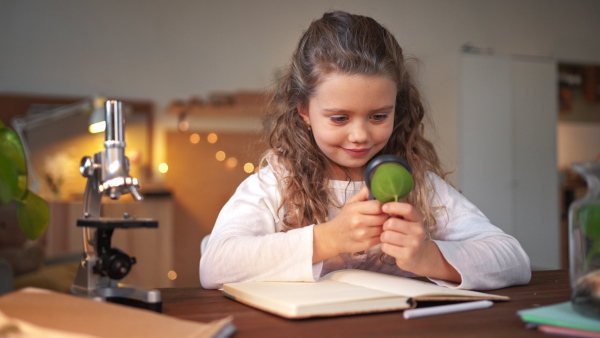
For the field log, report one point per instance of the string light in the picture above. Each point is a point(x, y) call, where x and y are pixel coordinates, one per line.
point(248, 167)
point(184, 125)
point(212, 138)
point(172, 275)
point(220, 155)
point(231, 162)
point(194, 138)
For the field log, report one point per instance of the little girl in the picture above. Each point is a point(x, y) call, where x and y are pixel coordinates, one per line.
point(347, 97)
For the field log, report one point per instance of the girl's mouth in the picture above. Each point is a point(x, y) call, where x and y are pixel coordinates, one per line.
point(357, 152)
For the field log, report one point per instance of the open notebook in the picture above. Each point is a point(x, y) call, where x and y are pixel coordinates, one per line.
point(345, 292)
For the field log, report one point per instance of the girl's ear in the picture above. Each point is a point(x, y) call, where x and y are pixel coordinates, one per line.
point(303, 111)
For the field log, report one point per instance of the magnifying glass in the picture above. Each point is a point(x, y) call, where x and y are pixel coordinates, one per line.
point(389, 178)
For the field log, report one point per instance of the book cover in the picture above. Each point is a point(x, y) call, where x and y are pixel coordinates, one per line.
point(561, 314)
point(43, 313)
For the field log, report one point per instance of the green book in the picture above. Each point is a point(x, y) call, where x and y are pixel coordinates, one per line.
point(561, 314)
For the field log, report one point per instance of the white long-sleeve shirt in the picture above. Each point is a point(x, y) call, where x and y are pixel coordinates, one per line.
point(247, 242)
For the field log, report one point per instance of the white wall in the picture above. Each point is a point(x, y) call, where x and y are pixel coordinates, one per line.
point(163, 50)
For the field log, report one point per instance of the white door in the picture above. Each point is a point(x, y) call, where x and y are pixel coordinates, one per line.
point(507, 148)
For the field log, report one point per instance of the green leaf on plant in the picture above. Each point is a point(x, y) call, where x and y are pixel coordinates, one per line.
point(391, 182)
point(21, 187)
point(8, 180)
point(33, 214)
point(10, 145)
point(593, 252)
point(589, 216)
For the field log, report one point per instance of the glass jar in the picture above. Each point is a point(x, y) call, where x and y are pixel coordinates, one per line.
point(584, 243)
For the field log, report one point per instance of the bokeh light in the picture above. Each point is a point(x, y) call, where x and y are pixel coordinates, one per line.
point(184, 125)
point(212, 138)
point(231, 162)
point(220, 155)
point(248, 167)
point(194, 138)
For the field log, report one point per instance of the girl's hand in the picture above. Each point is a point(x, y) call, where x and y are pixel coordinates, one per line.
point(357, 227)
point(403, 238)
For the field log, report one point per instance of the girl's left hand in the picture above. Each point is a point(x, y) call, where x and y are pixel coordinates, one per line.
point(403, 238)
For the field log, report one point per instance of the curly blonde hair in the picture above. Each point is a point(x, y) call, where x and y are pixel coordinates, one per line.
point(346, 44)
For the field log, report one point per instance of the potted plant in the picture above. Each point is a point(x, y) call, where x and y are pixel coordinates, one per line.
point(33, 213)
point(19, 208)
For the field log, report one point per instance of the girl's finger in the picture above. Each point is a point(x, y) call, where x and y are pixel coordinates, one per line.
point(402, 210)
point(361, 195)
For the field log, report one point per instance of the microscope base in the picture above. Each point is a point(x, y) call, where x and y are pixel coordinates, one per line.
point(148, 299)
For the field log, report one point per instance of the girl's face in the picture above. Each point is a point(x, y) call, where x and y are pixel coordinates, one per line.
point(352, 118)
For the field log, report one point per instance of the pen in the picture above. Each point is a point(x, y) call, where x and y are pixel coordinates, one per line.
point(442, 309)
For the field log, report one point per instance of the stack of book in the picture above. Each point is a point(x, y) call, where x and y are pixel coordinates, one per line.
point(560, 319)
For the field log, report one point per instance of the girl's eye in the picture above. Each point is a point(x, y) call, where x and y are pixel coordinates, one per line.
point(339, 119)
point(379, 117)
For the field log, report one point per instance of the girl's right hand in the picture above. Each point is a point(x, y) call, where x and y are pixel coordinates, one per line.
point(357, 227)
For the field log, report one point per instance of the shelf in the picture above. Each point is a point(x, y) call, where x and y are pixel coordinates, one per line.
point(241, 103)
point(233, 110)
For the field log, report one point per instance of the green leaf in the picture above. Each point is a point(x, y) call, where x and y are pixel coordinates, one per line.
point(594, 251)
point(391, 182)
point(11, 146)
point(21, 186)
point(590, 220)
point(9, 186)
point(33, 214)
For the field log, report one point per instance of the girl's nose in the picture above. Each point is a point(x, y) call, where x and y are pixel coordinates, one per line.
point(359, 133)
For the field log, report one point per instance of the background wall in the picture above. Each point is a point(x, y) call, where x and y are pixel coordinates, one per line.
point(162, 50)
point(167, 50)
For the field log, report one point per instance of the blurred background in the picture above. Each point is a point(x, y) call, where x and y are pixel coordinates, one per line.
point(512, 87)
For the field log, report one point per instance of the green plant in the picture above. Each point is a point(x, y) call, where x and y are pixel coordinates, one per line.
point(33, 212)
point(589, 216)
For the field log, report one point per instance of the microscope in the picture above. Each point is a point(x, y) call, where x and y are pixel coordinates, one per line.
point(102, 266)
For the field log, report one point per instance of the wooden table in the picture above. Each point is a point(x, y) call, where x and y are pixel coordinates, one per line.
point(501, 320)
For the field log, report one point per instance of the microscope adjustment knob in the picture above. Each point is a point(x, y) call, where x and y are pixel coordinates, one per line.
point(86, 167)
point(117, 264)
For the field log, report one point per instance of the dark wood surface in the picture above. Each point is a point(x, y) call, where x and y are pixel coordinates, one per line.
point(501, 320)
